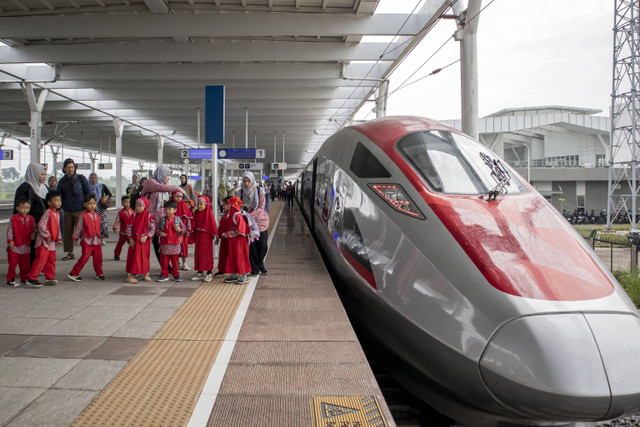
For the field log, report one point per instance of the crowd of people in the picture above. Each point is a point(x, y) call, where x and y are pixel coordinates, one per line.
point(171, 218)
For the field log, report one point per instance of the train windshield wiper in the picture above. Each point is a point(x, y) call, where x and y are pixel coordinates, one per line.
point(499, 174)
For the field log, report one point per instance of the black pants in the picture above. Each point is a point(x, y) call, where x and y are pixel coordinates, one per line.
point(156, 246)
point(257, 252)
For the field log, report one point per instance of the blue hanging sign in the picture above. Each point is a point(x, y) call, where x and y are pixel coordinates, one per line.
point(200, 154)
point(214, 115)
point(236, 153)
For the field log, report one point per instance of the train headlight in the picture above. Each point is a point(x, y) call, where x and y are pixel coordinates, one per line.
point(395, 196)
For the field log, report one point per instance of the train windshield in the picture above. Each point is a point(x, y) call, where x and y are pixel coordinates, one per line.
point(455, 164)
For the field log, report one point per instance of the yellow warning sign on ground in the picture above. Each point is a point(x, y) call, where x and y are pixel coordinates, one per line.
point(347, 411)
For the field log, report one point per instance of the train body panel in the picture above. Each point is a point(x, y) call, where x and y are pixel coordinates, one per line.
point(447, 282)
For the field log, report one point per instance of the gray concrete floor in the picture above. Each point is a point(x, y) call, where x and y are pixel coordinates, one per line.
point(61, 345)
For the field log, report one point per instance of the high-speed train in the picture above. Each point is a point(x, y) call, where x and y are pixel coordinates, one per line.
point(499, 309)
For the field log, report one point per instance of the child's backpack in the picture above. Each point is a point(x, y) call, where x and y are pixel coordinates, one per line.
point(254, 231)
point(176, 221)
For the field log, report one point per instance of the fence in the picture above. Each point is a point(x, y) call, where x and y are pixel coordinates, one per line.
point(614, 250)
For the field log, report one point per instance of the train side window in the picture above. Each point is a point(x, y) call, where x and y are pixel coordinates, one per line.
point(365, 165)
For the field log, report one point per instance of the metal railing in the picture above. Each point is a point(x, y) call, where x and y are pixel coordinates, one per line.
point(616, 251)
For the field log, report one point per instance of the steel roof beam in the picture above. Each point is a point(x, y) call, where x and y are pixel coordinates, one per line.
point(210, 25)
point(113, 53)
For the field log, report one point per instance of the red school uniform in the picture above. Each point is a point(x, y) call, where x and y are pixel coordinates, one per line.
point(89, 227)
point(170, 245)
point(184, 213)
point(234, 248)
point(48, 228)
point(138, 255)
point(19, 232)
point(205, 231)
point(124, 219)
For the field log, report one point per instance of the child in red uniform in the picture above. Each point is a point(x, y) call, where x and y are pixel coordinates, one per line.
point(20, 233)
point(205, 232)
point(140, 233)
point(169, 230)
point(234, 231)
point(48, 237)
point(184, 213)
point(89, 227)
point(124, 219)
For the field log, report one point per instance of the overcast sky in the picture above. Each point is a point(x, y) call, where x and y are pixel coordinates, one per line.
point(530, 53)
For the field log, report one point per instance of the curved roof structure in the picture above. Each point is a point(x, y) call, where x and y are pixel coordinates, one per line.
point(298, 67)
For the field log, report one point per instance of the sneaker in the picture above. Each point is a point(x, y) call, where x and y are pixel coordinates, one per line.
point(263, 270)
point(197, 277)
point(162, 279)
point(50, 282)
point(74, 278)
point(100, 277)
point(185, 267)
point(208, 278)
point(116, 258)
point(243, 280)
point(29, 283)
point(177, 279)
point(146, 278)
point(231, 279)
point(218, 274)
point(13, 284)
point(131, 280)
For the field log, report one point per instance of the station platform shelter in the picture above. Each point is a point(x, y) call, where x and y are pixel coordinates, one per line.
point(279, 351)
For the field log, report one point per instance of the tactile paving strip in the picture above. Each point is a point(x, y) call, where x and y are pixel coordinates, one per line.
point(161, 384)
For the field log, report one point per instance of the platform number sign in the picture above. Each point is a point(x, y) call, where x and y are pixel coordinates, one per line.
point(184, 153)
point(6, 154)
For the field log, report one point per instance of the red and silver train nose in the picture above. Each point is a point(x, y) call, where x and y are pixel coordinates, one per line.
point(570, 366)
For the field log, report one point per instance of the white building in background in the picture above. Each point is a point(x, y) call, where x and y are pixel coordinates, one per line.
point(567, 147)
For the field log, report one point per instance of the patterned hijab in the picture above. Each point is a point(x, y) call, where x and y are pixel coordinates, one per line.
point(204, 219)
point(235, 203)
point(141, 220)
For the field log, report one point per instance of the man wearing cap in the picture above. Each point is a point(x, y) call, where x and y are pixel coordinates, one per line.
point(72, 188)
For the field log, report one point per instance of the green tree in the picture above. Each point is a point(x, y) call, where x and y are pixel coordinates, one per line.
point(10, 174)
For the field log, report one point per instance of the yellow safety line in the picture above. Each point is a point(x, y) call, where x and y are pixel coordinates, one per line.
point(162, 383)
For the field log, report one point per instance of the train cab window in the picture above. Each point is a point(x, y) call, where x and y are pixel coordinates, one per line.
point(453, 163)
point(365, 165)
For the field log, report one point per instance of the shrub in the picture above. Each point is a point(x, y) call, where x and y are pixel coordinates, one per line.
point(631, 284)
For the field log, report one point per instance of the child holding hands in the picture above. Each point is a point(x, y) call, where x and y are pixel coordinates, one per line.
point(140, 233)
point(48, 237)
point(124, 219)
point(205, 232)
point(169, 230)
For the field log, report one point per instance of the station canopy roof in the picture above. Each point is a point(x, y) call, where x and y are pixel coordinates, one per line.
point(302, 67)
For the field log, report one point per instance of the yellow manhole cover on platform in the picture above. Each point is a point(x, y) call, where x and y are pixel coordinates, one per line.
point(347, 411)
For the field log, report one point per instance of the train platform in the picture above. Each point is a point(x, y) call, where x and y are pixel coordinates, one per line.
point(279, 351)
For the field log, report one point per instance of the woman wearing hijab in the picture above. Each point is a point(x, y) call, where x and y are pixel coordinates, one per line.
point(158, 191)
point(253, 199)
point(34, 189)
point(188, 191)
point(103, 195)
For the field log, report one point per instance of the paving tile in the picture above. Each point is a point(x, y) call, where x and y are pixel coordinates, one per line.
point(91, 375)
point(125, 301)
point(138, 290)
point(9, 342)
point(33, 372)
point(107, 313)
point(173, 302)
point(54, 408)
point(82, 299)
point(85, 327)
point(117, 349)
point(178, 292)
point(46, 310)
point(139, 329)
point(57, 347)
point(156, 314)
point(23, 326)
point(15, 399)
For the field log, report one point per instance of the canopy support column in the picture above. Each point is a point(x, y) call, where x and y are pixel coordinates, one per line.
point(36, 107)
point(160, 141)
point(118, 126)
